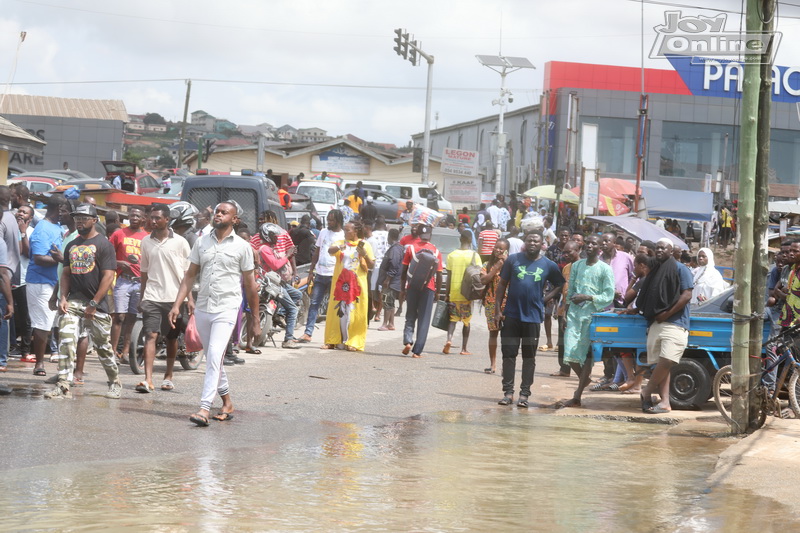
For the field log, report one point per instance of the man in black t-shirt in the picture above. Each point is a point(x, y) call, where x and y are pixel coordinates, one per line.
point(304, 239)
point(89, 265)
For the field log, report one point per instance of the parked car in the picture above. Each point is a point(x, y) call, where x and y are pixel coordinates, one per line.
point(388, 206)
point(326, 195)
point(144, 182)
point(85, 185)
point(39, 182)
point(71, 174)
point(250, 192)
point(403, 191)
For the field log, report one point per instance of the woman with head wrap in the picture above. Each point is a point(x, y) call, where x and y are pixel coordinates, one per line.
point(708, 281)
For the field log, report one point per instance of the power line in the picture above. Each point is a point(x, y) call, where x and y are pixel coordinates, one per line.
point(279, 83)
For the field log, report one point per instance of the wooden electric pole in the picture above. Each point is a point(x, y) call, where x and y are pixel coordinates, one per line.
point(743, 259)
point(183, 124)
point(752, 218)
point(761, 210)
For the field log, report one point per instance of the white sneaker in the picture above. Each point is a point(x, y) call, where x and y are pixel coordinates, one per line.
point(59, 393)
point(114, 390)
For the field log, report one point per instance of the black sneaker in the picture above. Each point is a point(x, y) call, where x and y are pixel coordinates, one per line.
point(523, 402)
point(227, 361)
point(507, 400)
point(235, 358)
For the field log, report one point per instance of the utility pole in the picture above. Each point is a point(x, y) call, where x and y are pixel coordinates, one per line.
point(761, 209)
point(743, 262)
point(183, 124)
point(411, 49)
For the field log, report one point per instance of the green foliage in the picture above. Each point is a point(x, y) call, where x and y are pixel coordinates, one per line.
point(153, 118)
point(134, 157)
point(166, 161)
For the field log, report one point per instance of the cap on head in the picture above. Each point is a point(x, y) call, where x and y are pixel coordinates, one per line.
point(85, 209)
point(664, 240)
point(424, 232)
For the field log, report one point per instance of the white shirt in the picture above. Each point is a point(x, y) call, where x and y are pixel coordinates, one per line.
point(515, 245)
point(380, 243)
point(221, 266)
point(327, 262)
point(494, 214)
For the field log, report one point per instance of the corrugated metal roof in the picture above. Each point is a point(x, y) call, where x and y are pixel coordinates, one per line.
point(49, 106)
point(13, 138)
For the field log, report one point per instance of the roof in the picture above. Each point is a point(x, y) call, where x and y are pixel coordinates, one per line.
point(15, 139)
point(49, 106)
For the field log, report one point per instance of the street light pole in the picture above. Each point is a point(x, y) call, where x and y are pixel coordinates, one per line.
point(503, 65)
point(426, 138)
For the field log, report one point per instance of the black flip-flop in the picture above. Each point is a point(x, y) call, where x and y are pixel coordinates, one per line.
point(488, 370)
point(255, 351)
point(223, 417)
point(39, 372)
point(200, 420)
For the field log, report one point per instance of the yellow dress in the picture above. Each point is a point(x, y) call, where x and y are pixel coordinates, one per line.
point(346, 323)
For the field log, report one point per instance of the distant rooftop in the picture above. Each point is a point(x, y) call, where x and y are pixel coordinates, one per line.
point(50, 106)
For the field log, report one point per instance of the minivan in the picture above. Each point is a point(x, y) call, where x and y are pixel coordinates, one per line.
point(416, 192)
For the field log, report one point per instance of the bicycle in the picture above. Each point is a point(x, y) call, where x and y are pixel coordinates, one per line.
point(782, 344)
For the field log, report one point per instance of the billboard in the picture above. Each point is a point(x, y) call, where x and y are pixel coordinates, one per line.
point(457, 162)
point(462, 190)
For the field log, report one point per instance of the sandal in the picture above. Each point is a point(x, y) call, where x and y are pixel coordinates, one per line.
point(167, 385)
point(30, 358)
point(488, 371)
point(326, 347)
point(253, 351)
point(198, 419)
point(446, 349)
point(39, 372)
point(223, 416)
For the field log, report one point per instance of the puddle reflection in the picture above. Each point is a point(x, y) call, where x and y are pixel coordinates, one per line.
point(480, 471)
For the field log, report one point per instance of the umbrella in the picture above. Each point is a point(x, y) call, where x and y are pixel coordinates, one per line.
point(612, 206)
point(618, 186)
point(549, 192)
point(609, 204)
point(641, 229)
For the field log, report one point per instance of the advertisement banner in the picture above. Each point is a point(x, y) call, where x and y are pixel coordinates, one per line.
point(462, 190)
point(460, 162)
point(341, 160)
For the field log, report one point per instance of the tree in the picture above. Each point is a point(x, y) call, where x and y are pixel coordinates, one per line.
point(166, 161)
point(134, 157)
point(153, 118)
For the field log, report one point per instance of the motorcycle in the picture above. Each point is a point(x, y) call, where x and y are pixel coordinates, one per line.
point(188, 360)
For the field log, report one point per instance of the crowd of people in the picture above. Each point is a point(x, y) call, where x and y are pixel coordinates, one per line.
point(80, 283)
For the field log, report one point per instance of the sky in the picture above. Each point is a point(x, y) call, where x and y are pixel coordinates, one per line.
point(327, 64)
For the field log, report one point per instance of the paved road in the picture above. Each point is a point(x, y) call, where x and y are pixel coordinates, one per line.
point(278, 395)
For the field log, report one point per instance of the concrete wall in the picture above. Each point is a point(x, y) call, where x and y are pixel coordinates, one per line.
point(82, 143)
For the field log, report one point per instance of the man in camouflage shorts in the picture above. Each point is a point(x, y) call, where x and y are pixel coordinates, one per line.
point(89, 265)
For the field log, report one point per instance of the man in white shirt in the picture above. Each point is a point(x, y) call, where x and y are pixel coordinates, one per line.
point(494, 213)
point(515, 244)
point(321, 272)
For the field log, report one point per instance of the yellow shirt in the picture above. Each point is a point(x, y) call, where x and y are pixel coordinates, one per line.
point(355, 202)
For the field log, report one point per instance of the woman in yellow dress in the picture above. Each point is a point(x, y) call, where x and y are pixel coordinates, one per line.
point(348, 304)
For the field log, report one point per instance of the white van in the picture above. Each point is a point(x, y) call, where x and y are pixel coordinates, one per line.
point(325, 195)
point(416, 192)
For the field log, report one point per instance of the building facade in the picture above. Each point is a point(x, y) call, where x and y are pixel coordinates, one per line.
point(78, 132)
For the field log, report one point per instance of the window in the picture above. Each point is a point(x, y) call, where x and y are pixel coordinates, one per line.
point(399, 192)
point(616, 144)
point(318, 194)
point(694, 150)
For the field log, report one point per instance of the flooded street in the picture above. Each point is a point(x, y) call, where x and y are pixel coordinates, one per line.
point(485, 470)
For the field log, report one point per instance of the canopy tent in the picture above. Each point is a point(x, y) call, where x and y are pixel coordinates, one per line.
point(641, 229)
point(549, 192)
point(792, 208)
point(683, 205)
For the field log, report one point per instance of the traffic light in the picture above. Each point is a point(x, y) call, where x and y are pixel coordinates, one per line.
point(416, 163)
point(398, 41)
point(208, 149)
point(559, 183)
point(412, 53)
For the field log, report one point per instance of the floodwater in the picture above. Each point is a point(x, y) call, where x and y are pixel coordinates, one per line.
point(492, 470)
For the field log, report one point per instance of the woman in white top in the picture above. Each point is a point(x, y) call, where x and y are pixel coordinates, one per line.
point(708, 281)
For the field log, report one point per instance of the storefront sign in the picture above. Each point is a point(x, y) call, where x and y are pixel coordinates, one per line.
point(341, 160)
point(462, 190)
point(458, 162)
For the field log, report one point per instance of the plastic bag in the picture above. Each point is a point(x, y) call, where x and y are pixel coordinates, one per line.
point(191, 337)
point(425, 215)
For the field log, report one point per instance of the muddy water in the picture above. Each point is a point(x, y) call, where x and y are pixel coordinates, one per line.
point(495, 470)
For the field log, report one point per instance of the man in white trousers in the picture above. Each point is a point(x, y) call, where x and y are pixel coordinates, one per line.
point(223, 260)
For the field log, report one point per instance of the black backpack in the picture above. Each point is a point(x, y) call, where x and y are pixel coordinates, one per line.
point(421, 268)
